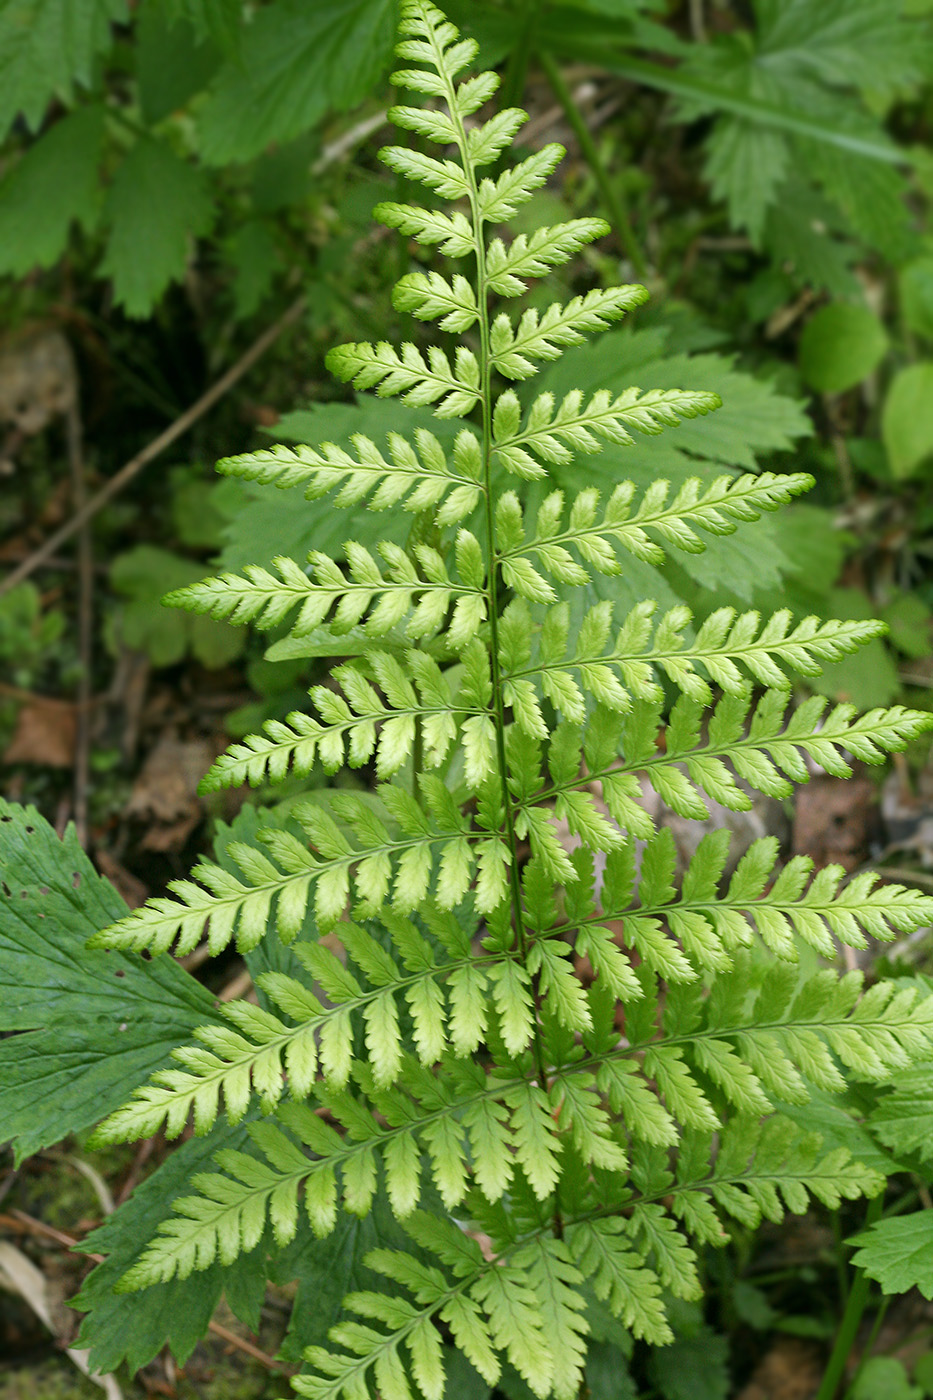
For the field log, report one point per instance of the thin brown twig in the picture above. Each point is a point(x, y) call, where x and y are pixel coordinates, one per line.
point(143, 1153)
point(85, 559)
point(158, 445)
point(28, 1224)
point(240, 1342)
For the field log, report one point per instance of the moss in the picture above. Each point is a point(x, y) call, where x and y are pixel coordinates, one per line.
point(210, 1374)
point(49, 1380)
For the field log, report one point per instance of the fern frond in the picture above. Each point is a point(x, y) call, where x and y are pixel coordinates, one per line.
point(534, 254)
point(543, 336)
point(793, 904)
point(555, 434)
point(764, 750)
point(384, 868)
point(447, 1036)
point(453, 233)
point(357, 726)
point(603, 1252)
point(452, 391)
point(567, 668)
point(415, 477)
point(525, 1307)
point(430, 297)
point(718, 509)
point(259, 1054)
point(365, 591)
point(763, 1171)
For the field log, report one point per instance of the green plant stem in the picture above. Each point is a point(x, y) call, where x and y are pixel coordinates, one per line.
point(482, 300)
point(870, 1344)
point(856, 1304)
point(615, 208)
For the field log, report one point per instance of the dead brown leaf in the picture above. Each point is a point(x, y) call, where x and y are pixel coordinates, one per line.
point(165, 795)
point(836, 821)
point(45, 733)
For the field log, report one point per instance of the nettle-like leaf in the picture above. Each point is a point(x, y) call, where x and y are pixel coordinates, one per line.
point(424, 1040)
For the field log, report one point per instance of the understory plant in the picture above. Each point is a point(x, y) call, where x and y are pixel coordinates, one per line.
point(488, 1001)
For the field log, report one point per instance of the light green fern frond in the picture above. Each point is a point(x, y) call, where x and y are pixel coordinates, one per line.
point(493, 889)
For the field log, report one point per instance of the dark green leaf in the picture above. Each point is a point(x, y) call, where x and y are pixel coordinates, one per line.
point(172, 63)
point(54, 184)
point(143, 575)
point(156, 205)
point(255, 260)
point(304, 60)
point(46, 46)
point(903, 1119)
point(898, 1253)
point(74, 1008)
point(916, 290)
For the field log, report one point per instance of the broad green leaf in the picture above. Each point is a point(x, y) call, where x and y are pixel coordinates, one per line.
point(898, 1253)
point(693, 1367)
point(903, 1119)
point(806, 236)
point(53, 185)
point(909, 619)
point(907, 420)
point(745, 165)
point(156, 205)
point(173, 62)
point(219, 20)
point(46, 46)
point(705, 95)
point(884, 1375)
point(840, 346)
point(75, 1007)
point(303, 61)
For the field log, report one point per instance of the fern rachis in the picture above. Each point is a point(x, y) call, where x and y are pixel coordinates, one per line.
point(451, 1047)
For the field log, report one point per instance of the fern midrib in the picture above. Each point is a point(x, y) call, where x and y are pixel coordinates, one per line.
point(665, 760)
point(709, 907)
point(492, 593)
point(672, 655)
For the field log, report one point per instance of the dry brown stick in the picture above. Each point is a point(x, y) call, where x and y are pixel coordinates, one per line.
point(220, 1330)
point(29, 1224)
point(82, 765)
point(174, 431)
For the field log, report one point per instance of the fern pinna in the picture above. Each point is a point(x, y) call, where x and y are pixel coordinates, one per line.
point(555, 1173)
